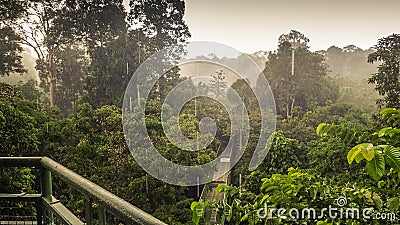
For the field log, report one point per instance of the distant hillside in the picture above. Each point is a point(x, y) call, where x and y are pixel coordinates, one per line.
point(349, 62)
point(259, 58)
point(347, 65)
point(194, 69)
point(350, 68)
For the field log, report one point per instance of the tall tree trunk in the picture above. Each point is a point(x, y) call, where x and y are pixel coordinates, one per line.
point(292, 106)
point(52, 78)
point(289, 107)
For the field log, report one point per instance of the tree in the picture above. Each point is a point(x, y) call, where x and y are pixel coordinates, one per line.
point(217, 85)
point(111, 68)
point(101, 59)
point(61, 33)
point(387, 79)
point(10, 60)
point(35, 27)
point(307, 85)
point(162, 19)
point(295, 38)
point(72, 69)
point(10, 10)
point(151, 26)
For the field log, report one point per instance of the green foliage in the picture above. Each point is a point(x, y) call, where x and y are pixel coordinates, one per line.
point(18, 128)
point(87, 56)
point(387, 79)
point(392, 116)
point(302, 126)
point(10, 59)
point(283, 154)
point(111, 68)
point(327, 158)
point(162, 19)
point(296, 189)
point(71, 67)
point(178, 213)
point(16, 180)
point(381, 149)
point(20, 136)
point(201, 209)
point(357, 93)
point(376, 166)
point(345, 133)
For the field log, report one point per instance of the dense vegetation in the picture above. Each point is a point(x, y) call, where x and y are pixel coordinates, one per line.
point(86, 55)
point(325, 153)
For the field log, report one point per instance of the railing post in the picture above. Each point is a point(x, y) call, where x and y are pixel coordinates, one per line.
point(102, 215)
point(39, 211)
point(47, 188)
point(88, 210)
point(47, 191)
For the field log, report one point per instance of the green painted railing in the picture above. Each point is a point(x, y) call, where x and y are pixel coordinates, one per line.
point(48, 207)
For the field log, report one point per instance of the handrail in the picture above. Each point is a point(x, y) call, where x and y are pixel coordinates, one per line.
point(109, 201)
point(20, 161)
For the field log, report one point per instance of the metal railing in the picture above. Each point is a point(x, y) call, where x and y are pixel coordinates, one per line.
point(48, 207)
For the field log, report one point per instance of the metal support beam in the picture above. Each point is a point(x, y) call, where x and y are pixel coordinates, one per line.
point(46, 183)
point(47, 190)
point(102, 216)
point(88, 210)
point(20, 161)
point(55, 207)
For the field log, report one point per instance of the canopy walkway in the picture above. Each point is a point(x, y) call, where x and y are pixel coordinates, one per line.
point(221, 176)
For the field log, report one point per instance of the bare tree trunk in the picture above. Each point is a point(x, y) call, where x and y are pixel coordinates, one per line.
point(292, 61)
point(289, 107)
point(52, 78)
point(287, 111)
point(292, 106)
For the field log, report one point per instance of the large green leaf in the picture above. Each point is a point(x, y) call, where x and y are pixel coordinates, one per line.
point(391, 115)
point(392, 156)
point(359, 158)
point(376, 167)
point(197, 210)
point(368, 152)
point(387, 112)
point(355, 152)
point(396, 120)
point(321, 129)
point(384, 131)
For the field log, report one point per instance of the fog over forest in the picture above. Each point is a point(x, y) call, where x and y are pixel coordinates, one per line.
point(199, 112)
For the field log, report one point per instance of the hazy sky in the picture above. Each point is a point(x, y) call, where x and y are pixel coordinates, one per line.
point(253, 25)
